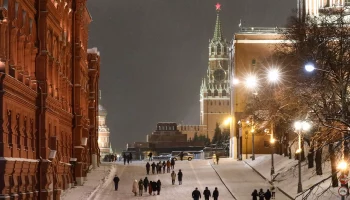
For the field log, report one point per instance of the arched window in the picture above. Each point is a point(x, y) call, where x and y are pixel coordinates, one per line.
point(216, 93)
point(209, 93)
point(224, 93)
point(211, 103)
point(218, 49)
point(212, 50)
point(219, 103)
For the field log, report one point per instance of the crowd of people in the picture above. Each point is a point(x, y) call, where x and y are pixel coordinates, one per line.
point(264, 195)
point(157, 168)
point(127, 158)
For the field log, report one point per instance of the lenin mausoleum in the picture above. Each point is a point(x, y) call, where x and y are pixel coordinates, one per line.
point(49, 98)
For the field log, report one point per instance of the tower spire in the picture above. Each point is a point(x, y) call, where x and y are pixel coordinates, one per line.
point(218, 32)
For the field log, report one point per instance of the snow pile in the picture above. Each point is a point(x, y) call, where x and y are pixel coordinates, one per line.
point(286, 177)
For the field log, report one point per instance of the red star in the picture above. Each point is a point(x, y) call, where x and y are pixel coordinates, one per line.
point(218, 6)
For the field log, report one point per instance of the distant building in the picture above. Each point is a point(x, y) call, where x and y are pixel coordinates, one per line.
point(166, 132)
point(103, 133)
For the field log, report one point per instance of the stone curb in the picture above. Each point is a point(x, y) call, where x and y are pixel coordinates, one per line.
point(286, 194)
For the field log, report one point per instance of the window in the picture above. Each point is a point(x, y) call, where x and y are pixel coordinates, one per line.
point(216, 93)
point(218, 49)
point(224, 93)
point(209, 93)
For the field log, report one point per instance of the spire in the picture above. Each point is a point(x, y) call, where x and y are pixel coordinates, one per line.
point(218, 32)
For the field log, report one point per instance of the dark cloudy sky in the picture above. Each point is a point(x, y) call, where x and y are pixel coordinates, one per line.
point(155, 52)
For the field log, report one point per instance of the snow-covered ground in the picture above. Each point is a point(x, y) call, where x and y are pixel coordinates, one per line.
point(287, 178)
point(95, 178)
point(234, 179)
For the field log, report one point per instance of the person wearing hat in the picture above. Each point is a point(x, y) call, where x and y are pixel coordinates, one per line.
point(196, 195)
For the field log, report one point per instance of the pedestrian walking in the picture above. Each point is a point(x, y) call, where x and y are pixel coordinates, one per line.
point(214, 158)
point(160, 167)
point(140, 187)
point(150, 188)
point(273, 191)
point(153, 167)
point(116, 182)
point(167, 166)
point(181, 155)
point(130, 157)
point(154, 187)
point(157, 166)
point(172, 163)
point(217, 159)
point(150, 156)
point(135, 186)
point(173, 176)
point(267, 195)
point(145, 183)
point(255, 195)
point(124, 158)
point(261, 194)
point(179, 177)
point(147, 168)
point(196, 195)
point(206, 193)
point(164, 165)
point(216, 194)
point(159, 186)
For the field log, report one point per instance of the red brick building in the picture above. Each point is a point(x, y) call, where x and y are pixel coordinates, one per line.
point(48, 97)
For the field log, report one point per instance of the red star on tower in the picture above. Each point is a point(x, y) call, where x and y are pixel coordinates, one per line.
point(218, 6)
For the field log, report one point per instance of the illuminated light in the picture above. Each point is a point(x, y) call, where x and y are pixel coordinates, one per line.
point(252, 131)
point(297, 125)
point(251, 81)
point(298, 150)
point(228, 121)
point(272, 140)
point(235, 81)
point(273, 75)
point(342, 165)
point(309, 67)
point(306, 126)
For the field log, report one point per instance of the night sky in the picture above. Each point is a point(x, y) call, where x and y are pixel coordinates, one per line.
point(155, 52)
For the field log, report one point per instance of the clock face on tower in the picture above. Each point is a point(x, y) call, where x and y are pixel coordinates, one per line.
point(219, 75)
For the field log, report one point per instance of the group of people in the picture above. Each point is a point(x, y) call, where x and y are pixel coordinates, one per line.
point(264, 195)
point(127, 158)
point(159, 166)
point(196, 194)
point(153, 187)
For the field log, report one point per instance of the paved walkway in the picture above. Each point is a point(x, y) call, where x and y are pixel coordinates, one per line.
point(241, 179)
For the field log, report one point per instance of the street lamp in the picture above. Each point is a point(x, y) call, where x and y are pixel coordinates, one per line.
point(300, 126)
point(252, 130)
point(272, 143)
point(273, 75)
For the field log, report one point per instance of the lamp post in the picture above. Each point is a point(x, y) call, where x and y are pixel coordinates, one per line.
point(300, 126)
point(252, 130)
point(272, 143)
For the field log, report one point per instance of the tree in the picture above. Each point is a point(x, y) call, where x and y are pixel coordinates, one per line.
point(324, 42)
point(195, 137)
point(217, 134)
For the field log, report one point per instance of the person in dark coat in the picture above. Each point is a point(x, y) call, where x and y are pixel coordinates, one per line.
point(124, 158)
point(153, 167)
point(150, 156)
point(181, 155)
point(145, 183)
point(206, 193)
point(130, 157)
point(261, 194)
point(150, 188)
point(157, 168)
point(159, 186)
point(140, 187)
point(160, 167)
point(172, 163)
point(179, 177)
point(116, 181)
point(267, 195)
point(164, 165)
point(168, 166)
point(255, 195)
point(216, 194)
point(196, 195)
point(154, 187)
point(148, 166)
